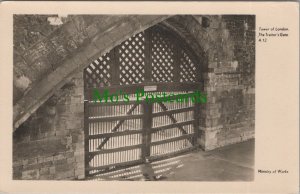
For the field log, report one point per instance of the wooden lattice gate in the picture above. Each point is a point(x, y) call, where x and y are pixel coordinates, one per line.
point(126, 133)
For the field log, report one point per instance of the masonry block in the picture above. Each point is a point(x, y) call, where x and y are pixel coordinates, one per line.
point(52, 170)
point(65, 175)
point(30, 174)
point(45, 171)
point(58, 157)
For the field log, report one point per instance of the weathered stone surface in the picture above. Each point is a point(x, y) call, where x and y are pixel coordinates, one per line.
point(30, 29)
point(44, 147)
point(80, 51)
point(230, 48)
point(30, 174)
point(52, 131)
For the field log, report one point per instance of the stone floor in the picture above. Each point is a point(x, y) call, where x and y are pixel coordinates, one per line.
point(230, 163)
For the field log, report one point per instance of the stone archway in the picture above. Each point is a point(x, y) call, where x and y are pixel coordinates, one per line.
point(98, 42)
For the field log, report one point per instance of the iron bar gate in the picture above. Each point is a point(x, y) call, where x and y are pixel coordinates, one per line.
point(125, 134)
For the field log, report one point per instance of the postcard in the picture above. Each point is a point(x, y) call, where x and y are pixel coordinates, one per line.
point(149, 97)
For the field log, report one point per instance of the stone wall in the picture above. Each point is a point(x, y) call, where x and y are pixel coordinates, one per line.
point(49, 145)
point(227, 56)
point(229, 82)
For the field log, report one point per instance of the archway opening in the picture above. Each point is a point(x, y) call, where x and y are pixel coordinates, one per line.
point(141, 102)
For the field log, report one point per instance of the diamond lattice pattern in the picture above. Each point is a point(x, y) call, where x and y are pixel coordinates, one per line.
point(98, 73)
point(162, 58)
point(132, 60)
point(187, 68)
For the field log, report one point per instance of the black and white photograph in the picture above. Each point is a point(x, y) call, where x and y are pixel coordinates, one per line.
point(134, 97)
point(149, 97)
